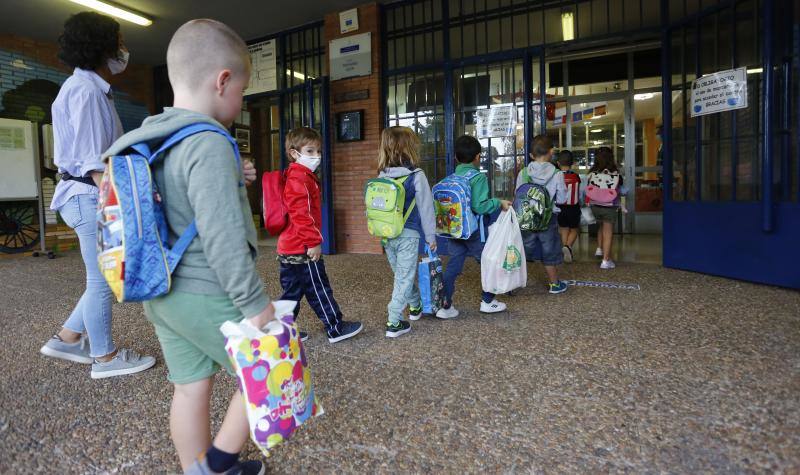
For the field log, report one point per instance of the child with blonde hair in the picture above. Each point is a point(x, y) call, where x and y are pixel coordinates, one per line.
point(399, 160)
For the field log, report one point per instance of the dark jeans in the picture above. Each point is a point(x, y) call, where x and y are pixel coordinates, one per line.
point(459, 249)
point(310, 280)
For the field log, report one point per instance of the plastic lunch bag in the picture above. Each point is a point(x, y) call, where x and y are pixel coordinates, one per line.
point(431, 282)
point(503, 265)
point(273, 374)
point(587, 217)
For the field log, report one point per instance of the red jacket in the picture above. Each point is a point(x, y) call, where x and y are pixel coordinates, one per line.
point(302, 197)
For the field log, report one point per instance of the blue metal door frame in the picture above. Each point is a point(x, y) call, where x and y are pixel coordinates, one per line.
point(748, 240)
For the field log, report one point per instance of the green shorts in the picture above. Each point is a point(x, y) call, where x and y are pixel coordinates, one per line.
point(607, 214)
point(187, 326)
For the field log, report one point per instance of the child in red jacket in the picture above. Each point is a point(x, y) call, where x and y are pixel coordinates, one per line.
point(300, 244)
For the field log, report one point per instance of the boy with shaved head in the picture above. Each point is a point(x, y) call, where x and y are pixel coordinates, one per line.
point(200, 181)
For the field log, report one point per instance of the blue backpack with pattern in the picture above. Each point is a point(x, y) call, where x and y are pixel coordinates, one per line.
point(452, 199)
point(132, 236)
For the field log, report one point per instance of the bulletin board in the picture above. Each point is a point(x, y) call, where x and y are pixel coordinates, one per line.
point(18, 161)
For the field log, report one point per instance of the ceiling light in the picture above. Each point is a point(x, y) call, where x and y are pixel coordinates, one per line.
point(296, 74)
point(567, 26)
point(596, 131)
point(755, 71)
point(643, 97)
point(112, 10)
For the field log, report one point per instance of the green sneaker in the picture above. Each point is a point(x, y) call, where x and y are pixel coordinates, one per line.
point(397, 329)
point(414, 313)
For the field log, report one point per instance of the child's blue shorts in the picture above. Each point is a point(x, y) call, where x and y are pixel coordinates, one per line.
point(544, 246)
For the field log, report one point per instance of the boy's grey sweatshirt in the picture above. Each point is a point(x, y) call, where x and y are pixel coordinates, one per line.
point(541, 173)
point(198, 179)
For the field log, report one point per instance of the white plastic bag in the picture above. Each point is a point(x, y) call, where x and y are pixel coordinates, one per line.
point(587, 217)
point(503, 265)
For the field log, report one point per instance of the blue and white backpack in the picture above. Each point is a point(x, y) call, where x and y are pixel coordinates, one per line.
point(132, 236)
point(452, 198)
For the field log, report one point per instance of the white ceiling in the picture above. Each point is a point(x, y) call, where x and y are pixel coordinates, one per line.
point(44, 19)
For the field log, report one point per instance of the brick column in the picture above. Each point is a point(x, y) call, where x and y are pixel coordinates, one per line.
point(354, 162)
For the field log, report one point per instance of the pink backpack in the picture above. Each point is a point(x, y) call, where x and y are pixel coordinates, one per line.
point(602, 187)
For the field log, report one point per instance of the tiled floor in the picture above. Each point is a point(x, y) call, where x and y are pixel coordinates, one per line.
point(690, 374)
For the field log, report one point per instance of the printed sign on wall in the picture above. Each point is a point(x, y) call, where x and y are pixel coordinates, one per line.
point(351, 56)
point(718, 92)
point(263, 76)
point(497, 121)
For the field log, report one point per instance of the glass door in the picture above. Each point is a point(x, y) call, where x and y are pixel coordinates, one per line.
point(648, 190)
point(586, 123)
point(489, 105)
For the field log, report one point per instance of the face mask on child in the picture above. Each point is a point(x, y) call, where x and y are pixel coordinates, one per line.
point(116, 66)
point(309, 162)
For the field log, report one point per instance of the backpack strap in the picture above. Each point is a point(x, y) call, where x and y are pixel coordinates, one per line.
point(174, 255)
point(403, 180)
point(525, 176)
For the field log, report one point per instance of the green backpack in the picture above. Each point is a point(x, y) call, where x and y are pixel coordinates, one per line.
point(533, 204)
point(384, 199)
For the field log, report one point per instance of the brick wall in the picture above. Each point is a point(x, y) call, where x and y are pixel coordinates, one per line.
point(354, 162)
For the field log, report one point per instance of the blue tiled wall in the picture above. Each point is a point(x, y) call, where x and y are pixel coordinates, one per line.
point(16, 69)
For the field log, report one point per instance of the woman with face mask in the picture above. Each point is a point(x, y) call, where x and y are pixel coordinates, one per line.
point(85, 124)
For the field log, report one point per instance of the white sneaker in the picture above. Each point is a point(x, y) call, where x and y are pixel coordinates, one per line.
point(598, 252)
point(446, 313)
point(607, 264)
point(492, 307)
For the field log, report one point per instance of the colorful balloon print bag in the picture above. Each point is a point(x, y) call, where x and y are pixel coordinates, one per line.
point(273, 375)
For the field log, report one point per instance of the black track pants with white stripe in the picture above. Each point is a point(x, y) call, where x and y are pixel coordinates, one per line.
point(310, 280)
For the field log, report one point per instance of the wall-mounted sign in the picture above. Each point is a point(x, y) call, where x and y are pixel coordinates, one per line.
point(351, 56)
point(350, 126)
point(497, 121)
point(348, 20)
point(263, 76)
point(717, 92)
point(347, 96)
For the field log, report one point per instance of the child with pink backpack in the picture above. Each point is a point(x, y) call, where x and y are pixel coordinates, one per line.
point(603, 193)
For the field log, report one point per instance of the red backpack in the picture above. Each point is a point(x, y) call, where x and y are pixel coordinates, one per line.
point(276, 215)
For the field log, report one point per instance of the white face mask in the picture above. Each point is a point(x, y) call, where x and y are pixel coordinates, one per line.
point(116, 66)
point(309, 162)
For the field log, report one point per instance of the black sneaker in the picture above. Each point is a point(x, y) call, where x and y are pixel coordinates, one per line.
point(251, 467)
point(414, 314)
point(303, 336)
point(346, 330)
point(400, 328)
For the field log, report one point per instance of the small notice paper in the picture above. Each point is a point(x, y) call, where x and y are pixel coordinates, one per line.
point(497, 121)
point(718, 92)
point(12, 138)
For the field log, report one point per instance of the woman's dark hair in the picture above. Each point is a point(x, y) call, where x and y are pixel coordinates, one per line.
point(88, 40)
point(604, 160)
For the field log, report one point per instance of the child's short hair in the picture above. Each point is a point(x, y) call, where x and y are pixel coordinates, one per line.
point(398, 148)
point(467, 147)
point(203, 47)
point(300, 137)
point(565, 158)
point(541, 145)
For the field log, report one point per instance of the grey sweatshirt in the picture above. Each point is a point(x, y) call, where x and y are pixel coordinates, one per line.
point(198, 180)
point(423, 196)
point(540, 173)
